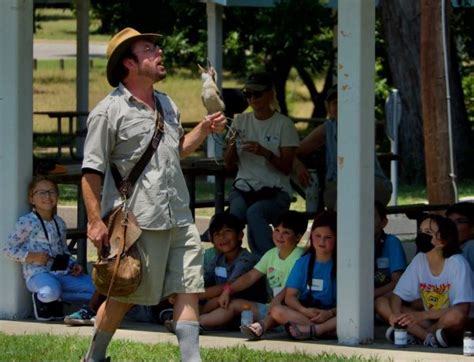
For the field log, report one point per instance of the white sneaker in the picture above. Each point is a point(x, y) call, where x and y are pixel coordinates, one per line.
point(441, 338)
point(390, 334)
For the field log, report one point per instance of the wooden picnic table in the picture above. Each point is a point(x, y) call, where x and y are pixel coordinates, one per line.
point(64, 138)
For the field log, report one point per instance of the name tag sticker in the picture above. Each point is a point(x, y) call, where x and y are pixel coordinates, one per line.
point(318, 285)
point(276, 290)
point(220, 271)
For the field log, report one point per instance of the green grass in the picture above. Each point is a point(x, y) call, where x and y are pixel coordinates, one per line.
point(54, 89)
point(60, 24)
point(72, 348)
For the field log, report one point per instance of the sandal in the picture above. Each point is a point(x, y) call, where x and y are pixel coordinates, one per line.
point(299, 335)
point(250, 333)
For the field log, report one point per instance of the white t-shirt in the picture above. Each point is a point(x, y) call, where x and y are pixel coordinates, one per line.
point(453, 286)
point(272, 133)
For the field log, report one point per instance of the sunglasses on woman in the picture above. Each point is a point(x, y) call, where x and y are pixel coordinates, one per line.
point(254, 94)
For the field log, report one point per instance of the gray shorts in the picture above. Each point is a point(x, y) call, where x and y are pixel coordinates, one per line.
point(172, 262)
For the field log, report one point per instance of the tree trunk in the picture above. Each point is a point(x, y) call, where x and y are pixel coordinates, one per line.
point(433, 92)
point(401, 24)
point(279, 67)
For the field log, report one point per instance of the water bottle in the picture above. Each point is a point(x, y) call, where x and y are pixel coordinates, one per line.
point(311, 191)
point(468, 344)
point(246, 317)
point(400, 336)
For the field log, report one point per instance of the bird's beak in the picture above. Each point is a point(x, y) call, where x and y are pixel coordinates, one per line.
point(202, 69)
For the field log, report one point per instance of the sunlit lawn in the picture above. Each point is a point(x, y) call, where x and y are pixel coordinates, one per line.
point(60, 24)
point(71, 348)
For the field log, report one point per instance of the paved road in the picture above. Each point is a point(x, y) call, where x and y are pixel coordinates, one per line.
point(43, 49)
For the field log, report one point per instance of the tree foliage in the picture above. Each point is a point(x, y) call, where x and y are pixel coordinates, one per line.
point(294, 33)
point(298, 34)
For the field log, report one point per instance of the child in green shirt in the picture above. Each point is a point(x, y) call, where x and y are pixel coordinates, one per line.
point(276, 265)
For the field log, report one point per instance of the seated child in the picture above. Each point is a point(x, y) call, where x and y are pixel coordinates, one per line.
point(310, 302)
point(38, 242)
point(462, 214)
point(442, 278)
point(276, 265)
point(390, 261)
point(230, 262)
point(390, 258)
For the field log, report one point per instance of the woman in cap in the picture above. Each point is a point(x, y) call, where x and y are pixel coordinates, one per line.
point(262, 149)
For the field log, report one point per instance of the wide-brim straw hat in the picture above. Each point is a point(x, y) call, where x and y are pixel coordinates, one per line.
point(119, 45)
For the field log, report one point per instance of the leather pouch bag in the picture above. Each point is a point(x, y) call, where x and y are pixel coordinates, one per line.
point(117, 272)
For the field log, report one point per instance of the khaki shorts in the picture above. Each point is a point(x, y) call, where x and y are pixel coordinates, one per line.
point(172, 262)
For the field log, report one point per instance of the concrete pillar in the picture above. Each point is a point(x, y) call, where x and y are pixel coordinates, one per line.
point(82, 70)
point(214, 54)
point(16, 145)
point(355, 181)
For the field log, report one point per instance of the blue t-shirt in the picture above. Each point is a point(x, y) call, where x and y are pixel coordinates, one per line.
point(391, 259)
point(323, 288)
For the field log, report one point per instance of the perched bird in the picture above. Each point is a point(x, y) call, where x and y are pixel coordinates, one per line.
point(211, 98)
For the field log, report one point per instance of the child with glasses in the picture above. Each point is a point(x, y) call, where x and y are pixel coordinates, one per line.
point(462, 214)
point(262, 151)
point(38, 242)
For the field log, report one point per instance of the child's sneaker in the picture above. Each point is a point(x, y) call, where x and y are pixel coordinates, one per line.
point(390, 334)
point(82, 317)
point(41, 310)
point(440, 337)
point(170, 326)
point(430, 341)
point(165, 315)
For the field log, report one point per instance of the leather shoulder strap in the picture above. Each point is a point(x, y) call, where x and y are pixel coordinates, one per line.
point(125, 184)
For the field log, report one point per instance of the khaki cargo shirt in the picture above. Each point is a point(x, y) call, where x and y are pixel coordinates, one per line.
point(119, 130)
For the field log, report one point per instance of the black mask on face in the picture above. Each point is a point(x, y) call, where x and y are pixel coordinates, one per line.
point(423, 242)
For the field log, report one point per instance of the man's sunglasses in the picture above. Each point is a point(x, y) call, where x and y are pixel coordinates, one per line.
point(254, 94)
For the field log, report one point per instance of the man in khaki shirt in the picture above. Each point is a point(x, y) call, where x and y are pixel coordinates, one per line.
point(119, 130)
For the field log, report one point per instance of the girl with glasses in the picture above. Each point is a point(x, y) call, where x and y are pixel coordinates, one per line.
point(38, 242)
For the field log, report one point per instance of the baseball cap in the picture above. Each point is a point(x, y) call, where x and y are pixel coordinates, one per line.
point(258, 82)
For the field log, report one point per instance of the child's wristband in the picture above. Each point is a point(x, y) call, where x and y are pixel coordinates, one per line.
point(228, 288)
